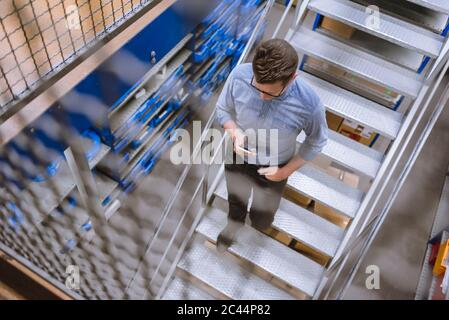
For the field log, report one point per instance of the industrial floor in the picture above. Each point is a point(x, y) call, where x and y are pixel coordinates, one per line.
point(399, 248)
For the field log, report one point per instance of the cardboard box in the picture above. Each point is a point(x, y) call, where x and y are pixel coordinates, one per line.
point(279, 236)
point(337, 27)
point(333, 121)
point(313, 254)
point(328, 213)
point(357, 132)
point(297, 198)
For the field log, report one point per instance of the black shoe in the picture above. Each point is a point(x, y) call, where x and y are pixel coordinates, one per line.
point(263, 229)
point(223, 243)
point(227, 236)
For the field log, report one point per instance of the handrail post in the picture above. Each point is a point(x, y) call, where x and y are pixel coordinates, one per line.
point(281, 21)
point(300, 12)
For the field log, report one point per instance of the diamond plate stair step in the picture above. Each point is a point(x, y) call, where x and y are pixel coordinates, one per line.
point(181, 289)
point(326, 189)
point(390, 28)
point(352, 106)
point(266, 253)
point(227, 277)
point(350, 153)
point(356, 61)
point(301, 224)
point(437, 5)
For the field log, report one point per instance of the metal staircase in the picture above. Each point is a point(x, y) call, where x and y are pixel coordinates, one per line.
point(260, 267)
point(312, 251)
point(389, 77)
point(67, 201)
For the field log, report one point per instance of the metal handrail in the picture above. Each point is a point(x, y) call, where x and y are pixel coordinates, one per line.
point(281, 22)
point(203, 181)
point(173, 197)
point(197, 219)
point(399, 183)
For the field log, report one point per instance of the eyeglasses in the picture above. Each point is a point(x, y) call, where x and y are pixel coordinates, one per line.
point(268, 94)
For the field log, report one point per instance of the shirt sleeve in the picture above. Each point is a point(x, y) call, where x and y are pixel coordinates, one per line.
point(225, 103)
point(316, 134)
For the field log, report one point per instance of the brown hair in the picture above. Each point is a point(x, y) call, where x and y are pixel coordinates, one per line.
point(275, 60)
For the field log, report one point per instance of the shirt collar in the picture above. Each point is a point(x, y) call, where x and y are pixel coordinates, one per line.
point(287, 92)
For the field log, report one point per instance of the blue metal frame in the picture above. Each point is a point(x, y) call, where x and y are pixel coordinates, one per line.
point(426, 59)
point(317, 21)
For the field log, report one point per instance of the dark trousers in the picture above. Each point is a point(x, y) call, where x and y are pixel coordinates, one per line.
point(240, 180)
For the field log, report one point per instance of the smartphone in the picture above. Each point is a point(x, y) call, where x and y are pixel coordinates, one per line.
point(245, 148)
point(249, 152)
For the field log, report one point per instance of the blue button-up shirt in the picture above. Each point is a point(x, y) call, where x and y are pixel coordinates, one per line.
point(297, 109)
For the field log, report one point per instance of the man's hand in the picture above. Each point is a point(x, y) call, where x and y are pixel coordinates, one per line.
point(274, 173)
point(238, 137)
point(279, 174)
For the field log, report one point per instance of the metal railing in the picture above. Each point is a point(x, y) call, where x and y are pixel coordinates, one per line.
point(38, 38)
point(385, 207)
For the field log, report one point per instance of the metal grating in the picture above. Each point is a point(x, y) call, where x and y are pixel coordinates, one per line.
point(226, 276)
point(301, 224)
point(180, 289)
point(57, 207)
point(350, 153)
point(267, 254)
point(391, 29)
point(356, 61)
point(39, 37)
point(349, 105)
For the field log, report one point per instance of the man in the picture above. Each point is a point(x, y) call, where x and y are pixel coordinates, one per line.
point(266, 99)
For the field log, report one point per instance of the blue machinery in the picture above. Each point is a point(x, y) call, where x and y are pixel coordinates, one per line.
point(124, 113)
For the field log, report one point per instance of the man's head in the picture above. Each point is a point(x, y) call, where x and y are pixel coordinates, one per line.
point(274, 67)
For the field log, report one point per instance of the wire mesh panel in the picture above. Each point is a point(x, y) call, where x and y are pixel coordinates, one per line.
point(30, 226)
point(84, 187)
point(39, 37)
